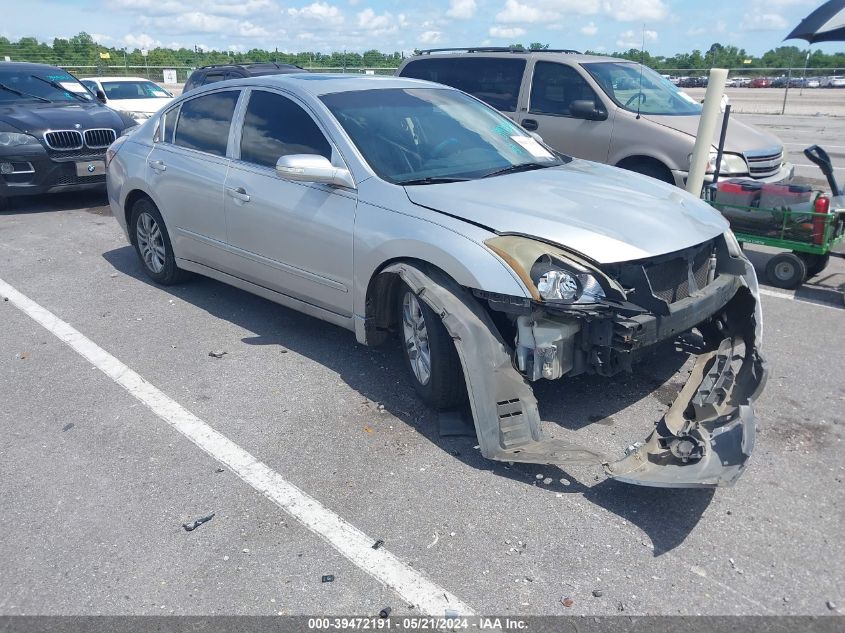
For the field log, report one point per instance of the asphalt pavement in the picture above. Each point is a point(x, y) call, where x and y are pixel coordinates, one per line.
point(97, 486)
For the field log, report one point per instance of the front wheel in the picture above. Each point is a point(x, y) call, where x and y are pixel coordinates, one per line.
point(152, 243)
point(786, 270)
point(429, 353)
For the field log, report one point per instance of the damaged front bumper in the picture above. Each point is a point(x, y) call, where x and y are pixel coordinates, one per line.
point(704, 440)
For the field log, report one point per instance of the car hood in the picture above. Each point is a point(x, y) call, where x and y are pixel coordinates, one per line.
point(740, 137)
point(608, 214)
point(36, 118)
point(149, 106)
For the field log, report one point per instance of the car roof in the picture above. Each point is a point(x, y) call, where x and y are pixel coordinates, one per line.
point(318, 84)
point(27, 66)
point(555, 55)
point(107, 79)
point(256, 68)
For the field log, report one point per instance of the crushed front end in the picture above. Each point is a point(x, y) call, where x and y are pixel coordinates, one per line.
point(589, 318)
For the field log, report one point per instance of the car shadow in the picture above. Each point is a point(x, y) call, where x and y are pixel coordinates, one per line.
point(380, 376)
point(94, 201)
point(826, 287)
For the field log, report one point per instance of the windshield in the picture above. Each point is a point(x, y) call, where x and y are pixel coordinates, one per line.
point(134, 90)
point(431, 134)
point(652, 94)
point(51, 84)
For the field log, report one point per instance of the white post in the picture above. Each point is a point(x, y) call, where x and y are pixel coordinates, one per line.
point(706, 130)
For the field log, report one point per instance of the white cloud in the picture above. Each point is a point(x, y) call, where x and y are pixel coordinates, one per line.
point(506, 32)
point(755, 21)
point(370, 21)
point(430, 37)
point(461, 9)
point(318, 12)
point(100, 38)
point(589, 29)
point(142, 40)
point(634, 39)
point(639, 10)
point(516, 12)
point(248, 29)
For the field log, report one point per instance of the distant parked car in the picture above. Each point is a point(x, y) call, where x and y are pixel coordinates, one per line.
point(801, 82)
point(832, 82)
point(760, 82)
point(221, 72)
point(138, 97)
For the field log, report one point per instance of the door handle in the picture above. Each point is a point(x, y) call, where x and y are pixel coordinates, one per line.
point(158, 165)
point(530, 124)
point(238, 193)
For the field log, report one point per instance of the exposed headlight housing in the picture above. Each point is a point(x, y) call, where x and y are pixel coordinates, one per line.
point(551, 274)
point(13, 139)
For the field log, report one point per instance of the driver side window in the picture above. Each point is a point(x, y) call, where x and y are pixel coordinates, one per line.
point(555, 86)
point(274, 126)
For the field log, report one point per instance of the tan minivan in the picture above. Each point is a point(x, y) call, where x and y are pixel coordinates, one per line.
point(603, 109)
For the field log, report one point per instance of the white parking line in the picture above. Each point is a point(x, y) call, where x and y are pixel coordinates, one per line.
point(344, 537)
point(788, 297)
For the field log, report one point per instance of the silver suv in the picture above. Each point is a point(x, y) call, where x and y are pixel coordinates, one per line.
point(387, 205)
point(600, 108)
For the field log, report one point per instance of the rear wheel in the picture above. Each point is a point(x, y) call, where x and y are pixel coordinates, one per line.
point(429, 352)
point(786, 270)
point(815, 263)
point(152, 243)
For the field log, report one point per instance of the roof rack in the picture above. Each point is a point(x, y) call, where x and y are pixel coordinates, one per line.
point(278, 65)
point(498, 49)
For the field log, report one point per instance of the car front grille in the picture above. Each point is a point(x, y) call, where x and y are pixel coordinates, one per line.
point(99, 138)
point(765, 163)
point(64, 139)
point(670, 279)
point(70, 178)
point(74, 140)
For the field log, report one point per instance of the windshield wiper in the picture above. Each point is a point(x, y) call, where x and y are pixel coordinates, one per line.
point(431, 180)
point(23, 94)
point(59, 86)
point(513, 169)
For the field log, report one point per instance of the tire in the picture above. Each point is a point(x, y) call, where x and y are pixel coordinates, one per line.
point(815, 263)
point(421, 330)
point(786, 270)
point(656, 170)
point(152, 244)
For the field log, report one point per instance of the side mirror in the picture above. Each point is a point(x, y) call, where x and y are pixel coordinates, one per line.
point(101, 96)
point(586, 109)
point(313, 168)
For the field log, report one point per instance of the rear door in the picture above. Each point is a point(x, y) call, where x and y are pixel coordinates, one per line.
point(187, 169)
point(494, 80)
point(553, 87)
point(292, 237)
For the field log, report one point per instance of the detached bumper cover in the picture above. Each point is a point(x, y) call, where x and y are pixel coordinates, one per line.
point(704, 440)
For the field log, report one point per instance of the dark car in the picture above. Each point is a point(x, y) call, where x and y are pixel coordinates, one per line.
point(212, 74)
point(53, 131)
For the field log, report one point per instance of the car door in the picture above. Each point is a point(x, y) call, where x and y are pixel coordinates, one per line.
point(186, 170)
point(292, 237)
point(554, 86)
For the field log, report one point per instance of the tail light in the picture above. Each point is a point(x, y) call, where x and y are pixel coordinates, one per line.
point(821, 208)
point(112, 150)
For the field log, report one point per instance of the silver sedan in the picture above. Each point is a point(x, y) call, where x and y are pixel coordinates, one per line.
point(388, 205)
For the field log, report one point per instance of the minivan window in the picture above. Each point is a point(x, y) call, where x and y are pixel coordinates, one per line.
point(494, 80)
point(204, 122)
point(555, 86)
point(640, 89)
point(274, 126)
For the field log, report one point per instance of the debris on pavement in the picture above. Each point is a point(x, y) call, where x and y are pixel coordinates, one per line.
point(547, 480)
point(567, 602)
point(831, 605)
point(23, 355)
point(378, 543)
point(327, 578)
point(598, 593)
point(220, 470)
point(68, 426)
point(384, 612)
point(217, 353)
point(434, 542)
point(283, 351)
point(620, 606)
point(193, 525)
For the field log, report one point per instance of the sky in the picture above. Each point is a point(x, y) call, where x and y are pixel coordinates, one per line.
point(668, 26)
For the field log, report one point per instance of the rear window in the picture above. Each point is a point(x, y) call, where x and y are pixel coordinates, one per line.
point(204, 122)
point(493, 80)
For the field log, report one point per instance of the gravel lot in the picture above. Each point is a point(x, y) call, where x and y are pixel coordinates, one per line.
point(96, 487)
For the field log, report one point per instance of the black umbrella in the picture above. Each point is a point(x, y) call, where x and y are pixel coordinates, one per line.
point(825, 24)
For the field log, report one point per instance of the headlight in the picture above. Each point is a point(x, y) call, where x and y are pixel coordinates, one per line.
point(549, 273)
point(13, 139)
point(732, 164)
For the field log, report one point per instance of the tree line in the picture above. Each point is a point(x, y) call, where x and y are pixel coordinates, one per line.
point(82, 50)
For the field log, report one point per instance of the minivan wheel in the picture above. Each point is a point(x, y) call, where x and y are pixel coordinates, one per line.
point(651, 168)
point(152, 243)
point(429, 352)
